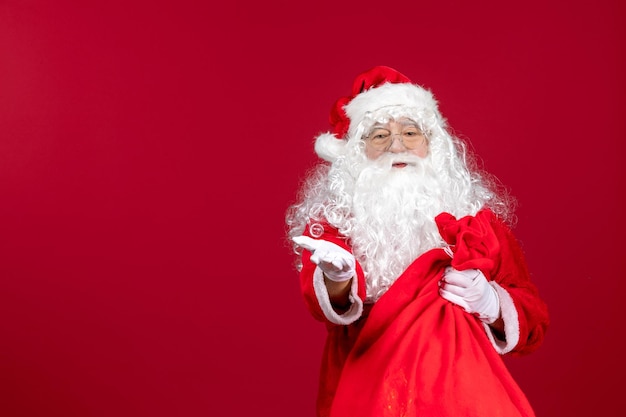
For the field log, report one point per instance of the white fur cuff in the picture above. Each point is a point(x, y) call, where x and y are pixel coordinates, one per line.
point(511, 322)
point(356, 304)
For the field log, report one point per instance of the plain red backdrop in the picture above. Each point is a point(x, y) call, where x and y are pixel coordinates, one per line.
point(149, 150)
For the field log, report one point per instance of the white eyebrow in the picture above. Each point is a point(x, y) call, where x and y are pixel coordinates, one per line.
point(408, 122)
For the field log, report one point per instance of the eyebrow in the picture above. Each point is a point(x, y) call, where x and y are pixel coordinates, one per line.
point(408, 122)
point(404, 124)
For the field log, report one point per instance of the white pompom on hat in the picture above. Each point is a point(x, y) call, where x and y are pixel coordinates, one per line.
point(380, 90)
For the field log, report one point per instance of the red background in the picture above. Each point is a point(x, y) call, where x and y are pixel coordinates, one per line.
point(148, 151)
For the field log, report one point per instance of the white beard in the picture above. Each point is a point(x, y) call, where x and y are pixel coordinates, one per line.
point(393, 217)
point(388, 213)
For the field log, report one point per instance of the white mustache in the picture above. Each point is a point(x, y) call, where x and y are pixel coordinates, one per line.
point(387, 160)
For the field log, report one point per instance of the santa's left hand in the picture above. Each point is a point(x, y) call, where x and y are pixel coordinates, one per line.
point(471, 290)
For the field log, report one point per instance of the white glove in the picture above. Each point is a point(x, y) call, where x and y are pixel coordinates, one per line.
point(471, 290)
point(337, 263)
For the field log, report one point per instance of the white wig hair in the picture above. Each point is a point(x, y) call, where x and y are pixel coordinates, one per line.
point(328, 191)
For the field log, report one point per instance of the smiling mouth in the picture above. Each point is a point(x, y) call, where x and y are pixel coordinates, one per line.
point(399, 164)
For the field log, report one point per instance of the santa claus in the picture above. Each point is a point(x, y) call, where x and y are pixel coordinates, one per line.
point(406, 253)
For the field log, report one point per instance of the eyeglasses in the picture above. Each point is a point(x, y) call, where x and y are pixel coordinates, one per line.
point(381, 139)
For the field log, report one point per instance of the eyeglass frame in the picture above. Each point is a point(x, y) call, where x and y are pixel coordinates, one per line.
point(368, 138)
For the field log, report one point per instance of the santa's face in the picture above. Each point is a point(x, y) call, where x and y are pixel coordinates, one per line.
point(402, 136)
point(393, 199)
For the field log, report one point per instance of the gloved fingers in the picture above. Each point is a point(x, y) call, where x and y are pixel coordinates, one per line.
point(332, 258)
point(466, 278)
point(337, 263)
point(466, 273)
point(457, 290)
point(328, 257)
point(306, 243)
point(327, 266)
point(321, 249)
point(328, 260)
point(319, 255)
point(470, 290)
point(339, 268)
point(469, 272)
point(458, 280)
point(455, 299)
point(342, 263)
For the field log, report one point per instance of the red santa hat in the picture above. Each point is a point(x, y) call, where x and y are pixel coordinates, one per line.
point(380, 91)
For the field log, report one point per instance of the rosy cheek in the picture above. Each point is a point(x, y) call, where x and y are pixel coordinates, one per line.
point(372, 154)
point(421, 151)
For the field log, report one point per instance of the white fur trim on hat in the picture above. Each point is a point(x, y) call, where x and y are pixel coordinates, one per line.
point(412, 98)
point(328, 147)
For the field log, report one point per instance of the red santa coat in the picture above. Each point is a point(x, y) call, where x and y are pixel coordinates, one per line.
point(413, 353)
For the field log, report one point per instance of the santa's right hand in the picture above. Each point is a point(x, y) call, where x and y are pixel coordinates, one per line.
point(337, 263)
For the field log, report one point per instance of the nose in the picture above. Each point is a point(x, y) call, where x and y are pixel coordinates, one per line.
point(397, 145)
